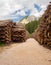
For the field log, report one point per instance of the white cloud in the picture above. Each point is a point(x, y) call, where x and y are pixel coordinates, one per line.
point(9, 6)
point(22, 13)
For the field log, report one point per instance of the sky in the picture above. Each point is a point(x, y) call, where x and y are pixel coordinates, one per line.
point(17, 9)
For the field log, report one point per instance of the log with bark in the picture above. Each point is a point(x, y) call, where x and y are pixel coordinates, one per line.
point(43, 32)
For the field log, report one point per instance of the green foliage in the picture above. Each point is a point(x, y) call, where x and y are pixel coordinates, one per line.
point(31, 26)
point(2, 44)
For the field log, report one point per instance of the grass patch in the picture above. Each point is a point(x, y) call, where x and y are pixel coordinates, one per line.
point(2, 44)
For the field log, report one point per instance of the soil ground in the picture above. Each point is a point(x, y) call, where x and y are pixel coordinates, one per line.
point(27, 53)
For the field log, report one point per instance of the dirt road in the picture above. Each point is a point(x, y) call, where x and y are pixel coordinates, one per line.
point(28, 53)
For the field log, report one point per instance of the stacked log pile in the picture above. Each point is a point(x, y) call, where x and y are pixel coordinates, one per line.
point(18, 33)
point(10, 31)
point(43, 32)
point(5, 31)
point(27, 35)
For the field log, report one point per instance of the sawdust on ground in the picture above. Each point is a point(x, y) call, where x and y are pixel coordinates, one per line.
point(27, 53)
